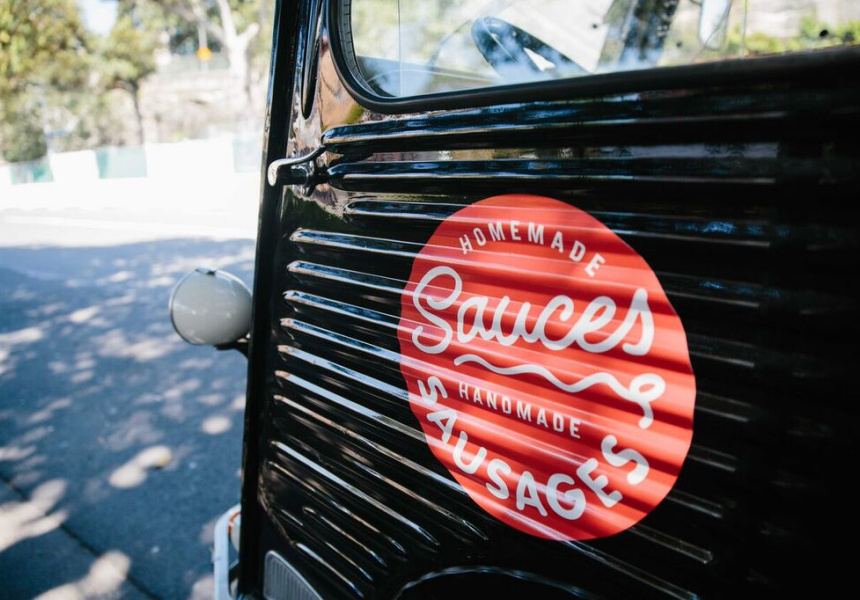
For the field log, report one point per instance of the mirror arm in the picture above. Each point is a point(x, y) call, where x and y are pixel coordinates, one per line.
point(240, 345)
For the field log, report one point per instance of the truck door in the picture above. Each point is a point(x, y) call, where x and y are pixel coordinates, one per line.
point(553, 299)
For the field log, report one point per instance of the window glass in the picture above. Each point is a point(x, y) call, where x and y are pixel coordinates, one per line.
point(415, 47)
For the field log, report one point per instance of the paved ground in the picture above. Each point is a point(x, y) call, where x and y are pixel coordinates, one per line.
point(120, 445)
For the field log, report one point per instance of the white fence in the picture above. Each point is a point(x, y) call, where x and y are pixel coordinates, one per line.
point(192, 158)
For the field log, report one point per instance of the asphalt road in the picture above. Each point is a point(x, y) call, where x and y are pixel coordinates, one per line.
point(120, 445)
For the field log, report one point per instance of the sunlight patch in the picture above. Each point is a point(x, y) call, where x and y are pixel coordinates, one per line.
point(135, 471)
point(84, 314)
point(106, 575)
point(216, 425)
point(24, 519)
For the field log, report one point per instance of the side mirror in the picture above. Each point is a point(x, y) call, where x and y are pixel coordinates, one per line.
point(211, 307)
point(713, 23)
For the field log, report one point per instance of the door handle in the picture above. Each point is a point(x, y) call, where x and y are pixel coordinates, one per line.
point(297, 170)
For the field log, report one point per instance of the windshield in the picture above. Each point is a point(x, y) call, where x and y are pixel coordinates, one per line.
point(414, 47)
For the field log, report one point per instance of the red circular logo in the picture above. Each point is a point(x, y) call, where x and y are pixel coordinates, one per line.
point(547, 368)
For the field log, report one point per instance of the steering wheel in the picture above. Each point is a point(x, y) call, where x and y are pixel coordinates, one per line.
point(504, 46)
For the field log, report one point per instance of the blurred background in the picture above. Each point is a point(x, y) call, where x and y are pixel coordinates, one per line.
point(130, 151)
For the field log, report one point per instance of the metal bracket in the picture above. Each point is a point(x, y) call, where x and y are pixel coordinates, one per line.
point(302, 170)
point(240, 345)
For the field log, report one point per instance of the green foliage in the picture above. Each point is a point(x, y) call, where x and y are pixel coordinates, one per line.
point(126, 55)
point(180, 19)
point(59, 83)
point(57, 76)
point(24, 132)
point(158, 17)
point(813, 34)
point(42, 42)
point(43, 46)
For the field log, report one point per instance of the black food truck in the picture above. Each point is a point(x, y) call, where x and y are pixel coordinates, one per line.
point(553, 298)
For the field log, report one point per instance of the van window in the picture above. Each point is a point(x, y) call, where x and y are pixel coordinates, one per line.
point(404, 48)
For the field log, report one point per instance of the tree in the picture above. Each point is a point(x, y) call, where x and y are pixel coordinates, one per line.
point(43, 46)
point(127, 57)
point(233, 24)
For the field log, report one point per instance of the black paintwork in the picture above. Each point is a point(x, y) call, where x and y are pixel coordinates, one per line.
point(281, 74)
point(688, 115)
point(737, 182)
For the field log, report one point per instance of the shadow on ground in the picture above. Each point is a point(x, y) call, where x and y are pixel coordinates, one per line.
point(113, 431)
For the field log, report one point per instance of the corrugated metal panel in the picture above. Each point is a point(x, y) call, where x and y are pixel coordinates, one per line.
point(741, 203)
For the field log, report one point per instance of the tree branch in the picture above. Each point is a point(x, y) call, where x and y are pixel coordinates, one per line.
point(250, 32)
point(227, 21)
point(194, 12)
